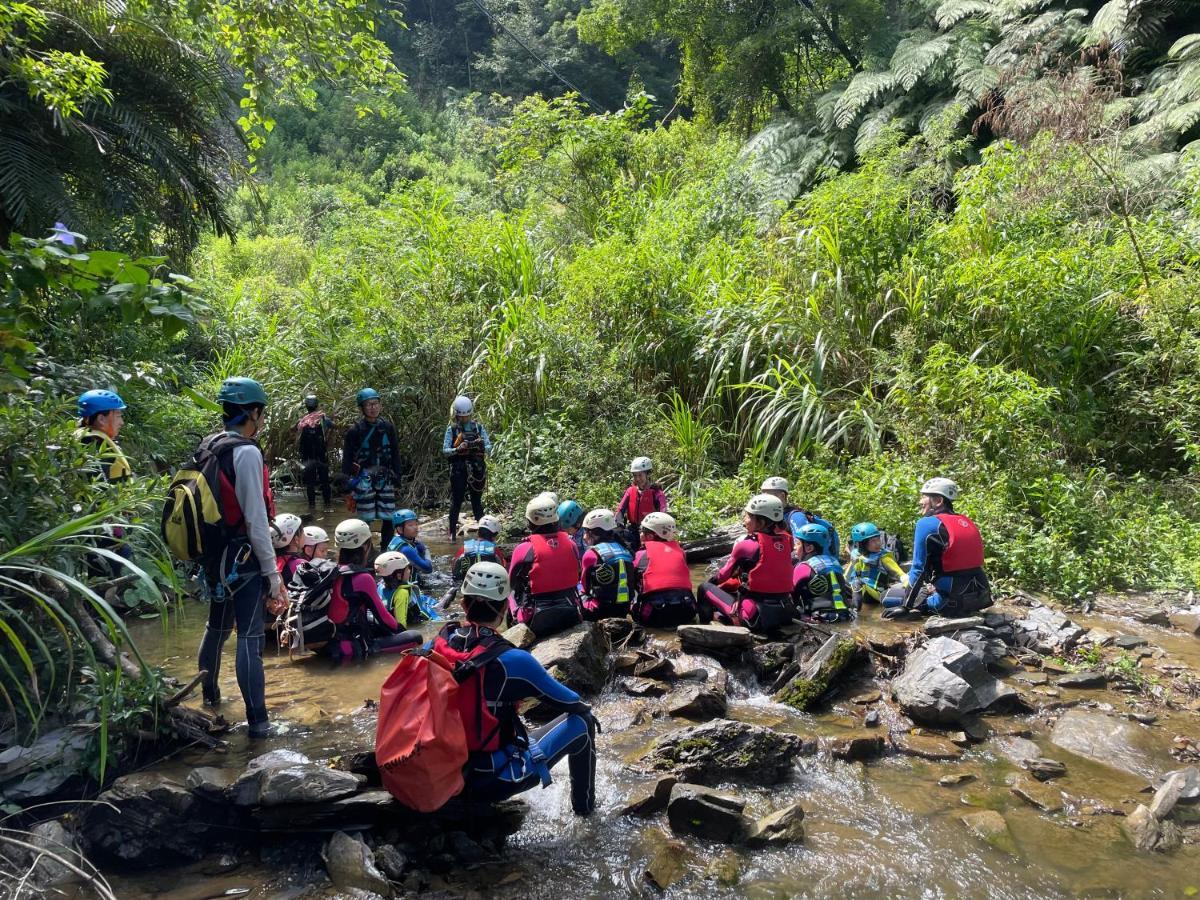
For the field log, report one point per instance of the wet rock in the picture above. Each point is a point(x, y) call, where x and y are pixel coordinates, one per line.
point(724, 750)
point(956, 779)
point(643, 687)
point(656, 667)
point(945, 681)
point(1034, 679)
point(990, 825)
point(306, 783)
point(351, 812)
point(578, 657)
point(693, 667)
point(817, 673)
point(859, 746)
point(926, 746)
point(667, 865)
point(1099, 638)
point(520, 636)
point(1141, 828)
point(350, 864)
point(714, 637)
point(1101, 738)
point(698, 703)
point(785, 826)
point(768, 660)
point(867, 698)
point(1087, 679)
point(211, 781)
point(616, 629)
point(1129, 642)
point(1044, 769)
point(975, 729)
point(1037, 795)
point(626, 661)
point(391, 861)
point(653, 801)
point(936, 625)
point(1186, 619)
point(246, 790)
point(1047, 631)
point(1020, 750)
point(1183, 784)
point(1190, 789)
point(871, 719)
point(149, 819)
point(704, 813)
point(40, 870)
point(44, 768)
point(726, 869)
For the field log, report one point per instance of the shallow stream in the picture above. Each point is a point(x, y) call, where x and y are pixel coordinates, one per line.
point(885, 828)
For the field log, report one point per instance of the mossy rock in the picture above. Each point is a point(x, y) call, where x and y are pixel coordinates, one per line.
point(818, 673)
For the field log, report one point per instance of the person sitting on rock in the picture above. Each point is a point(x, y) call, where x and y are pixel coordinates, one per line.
point(607, 579)
point(948, 556)
point(754, 587)
point(819, 586)
point(506, 759)
point(664, 597)
point(873, 568)
point(570, 519)
point(544, 572)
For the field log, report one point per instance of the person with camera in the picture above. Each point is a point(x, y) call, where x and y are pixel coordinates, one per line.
point(466, 446)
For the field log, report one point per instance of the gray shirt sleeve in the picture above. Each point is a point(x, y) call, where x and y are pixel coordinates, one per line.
point(248, 485)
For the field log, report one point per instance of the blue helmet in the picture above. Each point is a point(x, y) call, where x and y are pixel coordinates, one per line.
point(814, 533)
point(570, 514)
point(366, 394)
point(863, 531)
point(242, 392)
point(400, 516)
point(93, 403)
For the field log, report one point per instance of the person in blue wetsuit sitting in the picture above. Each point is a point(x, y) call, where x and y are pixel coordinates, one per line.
point(947, 555)
point(795, 517)
point(506, 758)
point(406, 541)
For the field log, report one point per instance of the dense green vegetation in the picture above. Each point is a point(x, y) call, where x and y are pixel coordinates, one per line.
point(864, 244)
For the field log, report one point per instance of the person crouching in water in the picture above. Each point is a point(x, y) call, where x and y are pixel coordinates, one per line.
point(315, 544)
point(355, 601)
point(408, 542)
point(288, 538)
point(818, 582)
point(754, 587)
point(506, 759)
point(544, 572)
point(606, 573)
point(664, 596)
point(398, 593)
point(872, 568)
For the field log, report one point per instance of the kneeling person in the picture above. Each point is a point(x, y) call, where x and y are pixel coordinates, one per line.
point(506, 759)
point(873, 568)
point(399, 594)
point(664, 597)
point(607, 576)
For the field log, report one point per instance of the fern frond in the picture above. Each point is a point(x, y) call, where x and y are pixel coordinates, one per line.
point(875, 124)
point(863, 89)
point(916, 55)
point(952, 12)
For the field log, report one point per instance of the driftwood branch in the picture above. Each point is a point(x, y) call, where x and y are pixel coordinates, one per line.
point(181, 695)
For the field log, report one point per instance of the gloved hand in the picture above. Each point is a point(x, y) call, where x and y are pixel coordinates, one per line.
point(275, 586)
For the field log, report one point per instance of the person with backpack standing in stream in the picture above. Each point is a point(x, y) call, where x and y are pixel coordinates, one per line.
point(239, 568)
point(371, 460)
point(466, 445)
point(311, 433)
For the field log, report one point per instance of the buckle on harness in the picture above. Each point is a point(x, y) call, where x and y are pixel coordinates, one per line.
point(539, 764)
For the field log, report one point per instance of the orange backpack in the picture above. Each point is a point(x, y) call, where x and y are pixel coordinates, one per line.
point(420, 741)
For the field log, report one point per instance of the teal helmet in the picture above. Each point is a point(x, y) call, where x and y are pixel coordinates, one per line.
point(242, 392)
point(863, 531)
point(814, 533)
point(366, 394)
point(92, 403)
point(570, 514)
point(400, 516)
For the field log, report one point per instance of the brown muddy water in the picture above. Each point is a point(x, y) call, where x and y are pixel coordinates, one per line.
point(885, 828)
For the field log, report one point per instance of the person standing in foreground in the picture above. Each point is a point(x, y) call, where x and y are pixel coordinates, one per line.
point(244, 569)
point(466, 445)
point(371, 460)
point(311, 433)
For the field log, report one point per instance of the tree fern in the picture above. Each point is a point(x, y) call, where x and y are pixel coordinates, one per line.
point(916, 54)
point(862, 90)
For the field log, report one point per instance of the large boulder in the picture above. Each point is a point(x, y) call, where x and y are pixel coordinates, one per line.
point(724, 750)
point(578, 658)
point(247, 788)
point(698, 702)
point(1104, 739)
point(48, 766)
point(1186, 619)
point(704, 813)
point(816, 674)
point(946, 681)
point(1047, 631)
point(305, 783)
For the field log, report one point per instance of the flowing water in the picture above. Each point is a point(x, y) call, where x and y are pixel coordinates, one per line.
point(880, 829)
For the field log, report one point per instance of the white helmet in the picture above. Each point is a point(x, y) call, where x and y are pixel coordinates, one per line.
point(284, 528)
point(351, 534)
point(489, 523)
point(542, 510)
point(775, 483)
point(600, 520)
point(640, 464)
point(661, 523)
point(486, 579)
point(315, 534)
point(766, 506)
point(390, 563)
point(942, 487)
point(463, 405)
point(551, 494)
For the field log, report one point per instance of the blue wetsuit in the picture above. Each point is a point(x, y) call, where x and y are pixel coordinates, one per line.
point(797, 518)
point(963, 590)
point(525, 758)
point(417, 553)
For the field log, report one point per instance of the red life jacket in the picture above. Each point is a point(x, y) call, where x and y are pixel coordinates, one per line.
point(639, 504)
point(555, 564)
point(666, 568)
point(964, 544)
point(772, 572)
point(231, 510)
point(483, 728)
